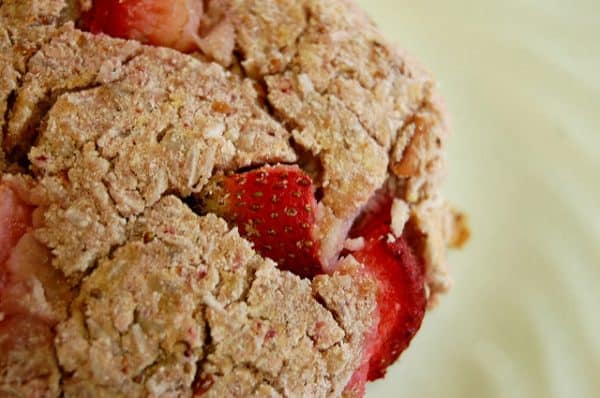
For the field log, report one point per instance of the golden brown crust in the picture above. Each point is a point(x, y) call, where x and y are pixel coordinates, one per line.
point(115, 133)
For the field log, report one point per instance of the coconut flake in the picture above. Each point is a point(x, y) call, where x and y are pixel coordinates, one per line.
point(400, 214)
point(354, 244)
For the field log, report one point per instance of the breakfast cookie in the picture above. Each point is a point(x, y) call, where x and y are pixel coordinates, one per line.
point(213, 198)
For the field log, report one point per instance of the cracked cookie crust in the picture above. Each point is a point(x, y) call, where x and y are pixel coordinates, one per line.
point(106, 141)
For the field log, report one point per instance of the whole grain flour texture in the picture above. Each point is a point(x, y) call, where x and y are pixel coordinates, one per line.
point(117, 281)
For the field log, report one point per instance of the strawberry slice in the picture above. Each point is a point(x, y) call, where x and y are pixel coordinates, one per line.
point(15, 220)
point(401, 299)
point(171, 24)
point(274, 207)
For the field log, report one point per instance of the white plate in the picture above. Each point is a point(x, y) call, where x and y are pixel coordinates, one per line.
point(522, 80)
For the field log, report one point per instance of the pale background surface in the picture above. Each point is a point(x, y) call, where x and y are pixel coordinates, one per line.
point(522, 80)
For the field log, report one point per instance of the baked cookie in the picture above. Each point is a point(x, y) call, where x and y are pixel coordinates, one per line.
point(213, 198)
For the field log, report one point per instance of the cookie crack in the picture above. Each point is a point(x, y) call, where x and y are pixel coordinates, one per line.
point(10, 100)
point(368, 131)
point(33, 127)
point(308, 17)
point(208, 349)
point(336, 318)
point(18, 83)
point(407, 121)
point(251, 280)
point(128, 59)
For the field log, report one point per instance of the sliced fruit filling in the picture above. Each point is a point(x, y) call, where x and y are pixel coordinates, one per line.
point(401, 298)
point(166, 23)
point(184, 25)
point(15, 220)
point(32, 299)
point(274, 207)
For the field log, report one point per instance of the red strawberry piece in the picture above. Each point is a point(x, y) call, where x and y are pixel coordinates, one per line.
point(15, 220)
point(273, 207)
point(171, 24)
point(401, 299)
point(25, 265)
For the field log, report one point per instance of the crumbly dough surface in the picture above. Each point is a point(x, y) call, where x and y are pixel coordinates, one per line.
point(109, 137)
point(187, 296)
